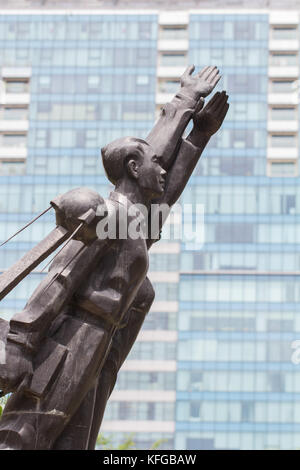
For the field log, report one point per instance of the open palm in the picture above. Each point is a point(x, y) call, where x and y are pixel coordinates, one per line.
point(211, 117)
point(200, 84)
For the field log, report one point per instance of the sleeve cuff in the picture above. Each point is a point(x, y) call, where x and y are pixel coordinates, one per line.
point(189, 146)
point(187, 100)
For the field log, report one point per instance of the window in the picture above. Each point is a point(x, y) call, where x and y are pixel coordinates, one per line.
point(283, 140)
point(168, 86)
point(46, 56)
point(41, 138)
point(234, 233)
point(282, 169)
point(145, 30)
point(278, 325)
point(247, 411)
point(94, 82)
point(243, 166)
point(12, 167)
point(17, 86)
point(288, 203)
point(160, 321)
point(276, 381)
point(173, 32)
point(14, 113)
point(45, 84)
point(241, 83)
point(95, 30)
point(199, 444)
point(196, 380)
point(217, 56)
point(281, 32)
point(283, 114)
point(278, 351)
point(217, 29)
point(244, 30)
point(195, 409)
point(13, 140)
point(284, 59)
point(142, 80)
point(283, 86)
point(169, 59)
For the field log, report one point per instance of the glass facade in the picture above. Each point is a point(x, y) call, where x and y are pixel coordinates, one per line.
point(212, 368)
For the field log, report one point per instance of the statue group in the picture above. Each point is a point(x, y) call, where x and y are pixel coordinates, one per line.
point(64, 350)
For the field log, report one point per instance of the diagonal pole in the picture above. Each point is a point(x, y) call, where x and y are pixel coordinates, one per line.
point(27, 225)
point(12, 276)
point(65, 267)
point(68, 240)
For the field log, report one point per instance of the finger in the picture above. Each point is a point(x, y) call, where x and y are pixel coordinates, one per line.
point(203, 71)
point(212, 75)
point(215, 80)
point(199, 106)
point(214, 99)
point(188, 72)
point(219, 103)
point(224, 112)
point(208, 72)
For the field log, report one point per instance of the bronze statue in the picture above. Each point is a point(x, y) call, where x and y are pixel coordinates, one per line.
point(64, 350)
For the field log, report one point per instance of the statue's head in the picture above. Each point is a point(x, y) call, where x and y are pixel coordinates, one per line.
point(134, 159)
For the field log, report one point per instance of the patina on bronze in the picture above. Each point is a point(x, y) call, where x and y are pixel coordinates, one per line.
point(64, 350)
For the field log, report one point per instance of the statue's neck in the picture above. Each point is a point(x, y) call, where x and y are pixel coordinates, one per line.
point(132, 192)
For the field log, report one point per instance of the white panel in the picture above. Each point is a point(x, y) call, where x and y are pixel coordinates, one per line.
point(13, 152)
point(170, 72)
point(284, 17)
point(158, 335)
point(283, 98)
point(162, 276)
point(279, 126)
point(173, 17)
point(283, 45)
point(165, 248)
point(282, 153)
point(283, 72)
point(173, 45)
point(150, 366)
point(14, 98)
point(162, 98)
point(86, 11)
point(16, 72)
point(229, 11)
point(164, 306)
point(138, 426)
point(10, 125)
point(297, 323)
point(143, 395)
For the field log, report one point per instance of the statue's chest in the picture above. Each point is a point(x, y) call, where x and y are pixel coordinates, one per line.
point(124, 266)
point(131, 257)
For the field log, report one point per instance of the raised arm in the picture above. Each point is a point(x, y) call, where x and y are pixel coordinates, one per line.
point(206, 123)
point(165, 137)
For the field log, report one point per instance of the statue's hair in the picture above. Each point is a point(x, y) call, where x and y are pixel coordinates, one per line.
point(116, 154)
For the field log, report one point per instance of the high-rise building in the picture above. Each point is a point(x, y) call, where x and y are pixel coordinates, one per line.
point(216, 364)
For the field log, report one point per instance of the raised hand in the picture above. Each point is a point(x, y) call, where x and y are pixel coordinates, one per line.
point(201, 84)
point(209, 120)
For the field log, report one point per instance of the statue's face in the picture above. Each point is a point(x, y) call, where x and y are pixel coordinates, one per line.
point(151, 177)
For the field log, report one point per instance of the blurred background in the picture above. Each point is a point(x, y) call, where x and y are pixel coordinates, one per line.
point(216, 364)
